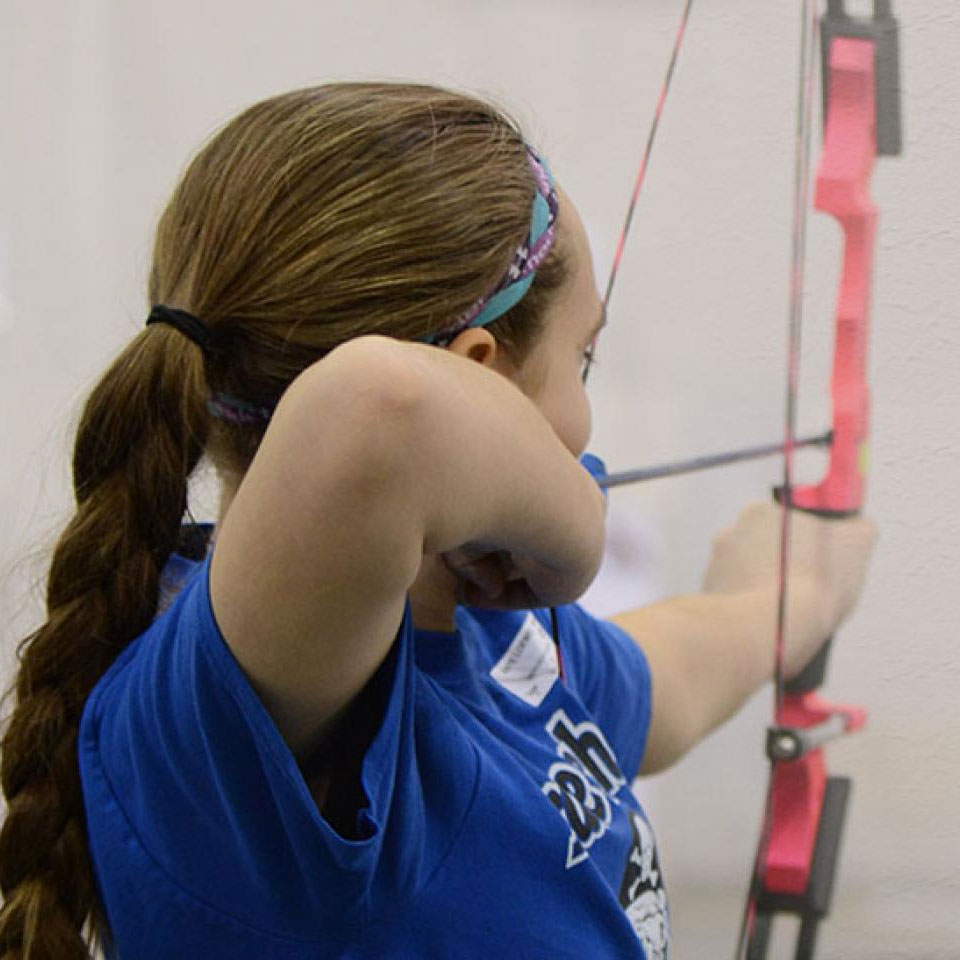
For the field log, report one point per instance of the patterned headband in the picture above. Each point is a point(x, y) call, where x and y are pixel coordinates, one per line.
point(511, 289)
point(528, 258)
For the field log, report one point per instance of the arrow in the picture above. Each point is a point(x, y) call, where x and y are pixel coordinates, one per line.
point(694, 464)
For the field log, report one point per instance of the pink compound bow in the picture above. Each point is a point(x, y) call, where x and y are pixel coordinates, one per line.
point(797, 855)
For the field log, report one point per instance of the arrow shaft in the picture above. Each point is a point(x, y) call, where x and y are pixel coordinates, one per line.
point(708, 462)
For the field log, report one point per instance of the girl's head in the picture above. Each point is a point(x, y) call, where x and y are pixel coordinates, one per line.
point(336, 211)
point(313, 217)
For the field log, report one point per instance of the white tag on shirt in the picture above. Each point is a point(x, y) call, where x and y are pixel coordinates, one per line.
point(529, 667)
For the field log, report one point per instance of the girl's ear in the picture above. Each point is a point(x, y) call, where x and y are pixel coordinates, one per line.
point(479, 345)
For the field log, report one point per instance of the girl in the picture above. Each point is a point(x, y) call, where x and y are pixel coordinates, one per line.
point(341, 723)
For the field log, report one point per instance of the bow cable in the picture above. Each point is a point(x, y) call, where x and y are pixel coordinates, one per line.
point(621, 243)
point(809, 33)
point(641, 176)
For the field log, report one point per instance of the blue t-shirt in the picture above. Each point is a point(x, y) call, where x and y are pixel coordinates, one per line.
point(499, 823)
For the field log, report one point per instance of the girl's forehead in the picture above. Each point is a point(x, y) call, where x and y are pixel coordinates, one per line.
point(570, 227)
point(575, 245)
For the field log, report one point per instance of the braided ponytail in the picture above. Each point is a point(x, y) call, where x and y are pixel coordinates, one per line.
point(313, 217)
point(141, 435)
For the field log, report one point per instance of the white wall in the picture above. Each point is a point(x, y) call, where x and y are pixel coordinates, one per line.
point(102, 103)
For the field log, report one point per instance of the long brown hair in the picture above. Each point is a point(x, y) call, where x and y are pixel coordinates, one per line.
point(313, 217)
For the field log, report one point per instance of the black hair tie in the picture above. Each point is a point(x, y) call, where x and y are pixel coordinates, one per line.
point(190, 326)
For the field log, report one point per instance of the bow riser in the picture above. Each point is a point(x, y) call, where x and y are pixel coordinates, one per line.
point(843, 183)
point(843, 190)
point(807, 808)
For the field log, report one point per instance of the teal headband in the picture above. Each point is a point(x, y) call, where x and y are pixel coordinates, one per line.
point(528, 258)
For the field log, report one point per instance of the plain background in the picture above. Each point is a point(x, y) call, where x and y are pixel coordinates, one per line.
point(102, 104)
